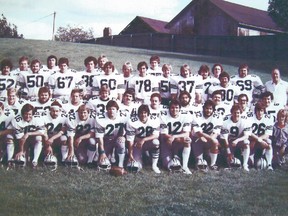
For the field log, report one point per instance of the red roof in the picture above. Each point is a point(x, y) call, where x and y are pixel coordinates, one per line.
point(156, 25)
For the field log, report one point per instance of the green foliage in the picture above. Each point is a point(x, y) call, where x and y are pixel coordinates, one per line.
point(73, 34)
point(8, 30)
point(278, 10)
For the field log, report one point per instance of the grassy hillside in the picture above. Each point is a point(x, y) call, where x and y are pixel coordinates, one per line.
point(76, 52)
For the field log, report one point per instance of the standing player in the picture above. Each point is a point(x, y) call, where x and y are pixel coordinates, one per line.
point(110, 134)
point(217, 69)
point(29, 132)
point(23, 66)
point(143, 135)
point(174, 136)
point(155, 69)
point(247, 82)
point(127, 70)
point(260, 138)
point(74, 102)
point(165, 81)
point(63, 81)
point(235, 134)
point(114, 81)
point(186, 82)
point(129, 107)
point(32, 81)
point(206, 128)
point(52, 65)
point(7, 80)
point(6, 133)
point(143, 83)
point(13, 102)
point(81, 136)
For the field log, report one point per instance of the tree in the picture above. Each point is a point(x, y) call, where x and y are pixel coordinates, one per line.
point(73, 34)
point(278, 10)
point(8, 30)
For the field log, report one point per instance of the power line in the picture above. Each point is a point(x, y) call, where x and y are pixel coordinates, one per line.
point(38, 19)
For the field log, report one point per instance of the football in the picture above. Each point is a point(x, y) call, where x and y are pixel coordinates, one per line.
point(117, 171)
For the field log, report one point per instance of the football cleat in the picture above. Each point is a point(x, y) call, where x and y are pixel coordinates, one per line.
point(104, 165)
point(134, 166)
point(261, 163)
point(235, 162)
point(50, 161)
point(174, 165)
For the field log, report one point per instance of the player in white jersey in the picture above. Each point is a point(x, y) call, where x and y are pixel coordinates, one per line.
point(221, 107)
point(55, 123)
point(43, 102)
point(229, 91)
point(174, 136)
point(206, 127)
point(280, 138)
point(235, 134)
point(155, 107)
point(74, 102)
point(186, 81)
point(278, 87)
point(260, 138)
point(155, 69)
point(143, 84)
point(6, 133)
point(110, 131)
point(7, 80)
point(88, 75)
point(30, 131)
point(217, 69)
point(63, 81)
point(186, 105)
point(208, 80)
point(52, 65)
point(128, 108)
point(143, 135)
point(81, 136)
point(98, 103)
point(165, 81)
point(127, 71)
point(23, 66)
point(30, 82)
point(114, 81)
point(13, 102)
point(247, 82)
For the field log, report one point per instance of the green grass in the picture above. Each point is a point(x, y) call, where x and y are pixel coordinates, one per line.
point(72, 192)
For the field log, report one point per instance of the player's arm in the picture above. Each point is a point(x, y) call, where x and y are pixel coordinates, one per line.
point(102, 153)
point(83, 137)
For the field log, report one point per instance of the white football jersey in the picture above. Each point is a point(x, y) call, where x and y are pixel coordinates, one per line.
point(165, 86)
point(262, 126)
point(97, 104)
point(6, 82)
point(39, 107)
point(248, 84)
point(68, 107)
point(110, 127)
point(170, 125)
point(75, 126)
point(206, 85)
point(54, 126)
point(22, 127)
point(234, 130)
point(16, 107)
point(223, 109)
point(88, 78)
point(209, 125)
point(130, 111)
point(5, 120)
point(141, 130)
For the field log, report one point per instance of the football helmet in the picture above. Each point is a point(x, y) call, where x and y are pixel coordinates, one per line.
point(50, 161)
point(104, 165)
point(261, 163)
point(134, 166)
point(174, 165)
point(235, 162)
point(73, 162)
point(21, 162)
point(202, 164)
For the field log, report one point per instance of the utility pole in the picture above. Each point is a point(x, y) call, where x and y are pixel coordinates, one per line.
point(53, 34)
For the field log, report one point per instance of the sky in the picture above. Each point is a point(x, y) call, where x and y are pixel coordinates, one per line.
point(34, 19)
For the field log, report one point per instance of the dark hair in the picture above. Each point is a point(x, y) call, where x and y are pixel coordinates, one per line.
point(155, 58)
point(143, 108)
point(235, 107)
point(6, 62)
point(89, 59)
point(209, 103)
point(109, 64)
point(112, 103)
point(259, 106)
point(243, 95)
point(267, 94)
point(224, 74)
point(51, 57)
point(44, 89)
point(204, 68)
point(174, 102)
point(185, 93)
point(63, 60)
point(156, 94)
point(27, 108)
point(23, 58)
point(243, 66)
point(35, 61)
point(215, 65)
point(140, 64)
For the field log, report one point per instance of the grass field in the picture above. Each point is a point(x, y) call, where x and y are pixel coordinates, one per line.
point(89, 192)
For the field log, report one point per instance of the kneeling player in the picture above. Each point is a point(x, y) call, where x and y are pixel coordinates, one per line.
point(143, 135)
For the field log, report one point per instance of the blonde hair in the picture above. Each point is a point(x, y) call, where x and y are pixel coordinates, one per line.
point(282, 112)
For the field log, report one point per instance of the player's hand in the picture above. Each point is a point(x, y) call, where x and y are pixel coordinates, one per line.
point(139, 143)
point(49, 150)
point(102, 157)
point(18, 155)
point(203, 139)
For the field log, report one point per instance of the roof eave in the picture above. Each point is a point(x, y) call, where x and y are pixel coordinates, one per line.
point(261, 28)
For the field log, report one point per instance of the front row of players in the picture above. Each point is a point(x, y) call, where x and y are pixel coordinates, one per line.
point(86, 138)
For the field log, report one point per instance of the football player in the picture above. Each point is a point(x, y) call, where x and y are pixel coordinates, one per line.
point(143, 135)
point(260, 138)
point(278, 87)
point(7, 80)
point(23, 66)
point(6, 133)
point(29, 82)
point(63, 81)
point(43, 102)
point(217, 69)
point(243, 101)
point(247, 82)
point(110, 131)
point(30, 131)
point(143, 83)
point(155, 69)
point(13, 102)
point(51, 66)
point(127, 70)
point(81, 136)
point(186, 107)
point(165, 81)
point(155, 107)
point(186, 81)
point(74, 102)
point(174, 136)
point(221, 107)
point(114, 81)
point(235, 134)
point(129, 106)
point(206, 128)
